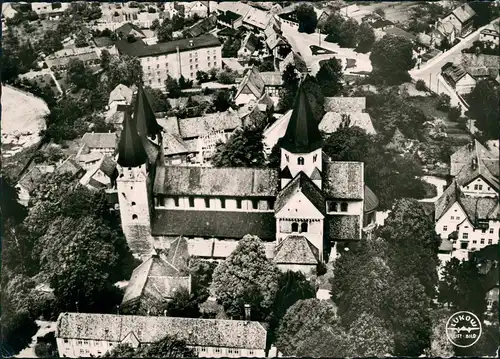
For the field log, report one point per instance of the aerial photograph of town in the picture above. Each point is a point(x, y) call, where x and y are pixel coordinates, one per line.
point(250, 179)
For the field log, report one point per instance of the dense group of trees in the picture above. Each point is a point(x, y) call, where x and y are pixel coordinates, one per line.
point(307, 18)
point(483, 101)
point(348, 33)
point(380, 306)
point(167, 347)
point(69, 240)
point(392, 58)
point(390, 176)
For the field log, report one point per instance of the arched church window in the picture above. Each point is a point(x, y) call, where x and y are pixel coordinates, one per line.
point(304, 226)
point(343, 207)
point(287, 158)
point(133, 203)
point(134, 216)
point(315, 157)
point(300, 161)
point(332, 207)
point(295, 227)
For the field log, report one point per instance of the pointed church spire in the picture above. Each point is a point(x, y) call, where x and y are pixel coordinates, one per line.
point(302, 134)
point(144, 115)
point(131, 151)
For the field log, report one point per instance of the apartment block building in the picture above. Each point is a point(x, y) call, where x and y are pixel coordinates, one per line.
point(177, 58)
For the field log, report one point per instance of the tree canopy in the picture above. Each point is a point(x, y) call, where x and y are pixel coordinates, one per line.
point(307, 18)
point(124, 70)
point(243, 149)
point(167, 347)
point(483, 101)
point(392, 58)
point(246, 277)
point(366, 38)
point(329, 77)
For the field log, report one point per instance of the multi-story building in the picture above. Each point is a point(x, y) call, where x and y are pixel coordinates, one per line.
point(303, 209)
point(175, 58)
point(90, 334)
point(467, 213)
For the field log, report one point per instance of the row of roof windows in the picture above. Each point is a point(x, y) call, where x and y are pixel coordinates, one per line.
point(160, 202)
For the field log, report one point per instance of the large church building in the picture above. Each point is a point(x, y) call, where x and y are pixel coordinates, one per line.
point(300, 211)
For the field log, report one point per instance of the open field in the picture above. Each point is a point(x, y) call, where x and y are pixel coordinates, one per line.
point(397, 12)
point(22, 117)
point(40, 28)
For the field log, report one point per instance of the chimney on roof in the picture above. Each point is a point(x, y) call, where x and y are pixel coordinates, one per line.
point(247, 312)
point(474, 163)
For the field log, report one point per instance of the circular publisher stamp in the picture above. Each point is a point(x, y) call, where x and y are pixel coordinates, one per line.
point(463, 329)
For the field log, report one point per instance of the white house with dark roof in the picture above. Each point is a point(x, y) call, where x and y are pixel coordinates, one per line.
point(467, 214)
point(309, 196)
point(90, 334)
point(455, 24)
point(101, 175)
point(183, 57)
point(104, 143)
point(255, 84)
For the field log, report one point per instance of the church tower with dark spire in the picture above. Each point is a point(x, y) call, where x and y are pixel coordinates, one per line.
point(301, 147)
point(139, 152)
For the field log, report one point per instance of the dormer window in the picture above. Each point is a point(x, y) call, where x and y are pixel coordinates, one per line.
point(300, 161)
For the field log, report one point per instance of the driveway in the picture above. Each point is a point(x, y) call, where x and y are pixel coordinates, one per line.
point(300, 42)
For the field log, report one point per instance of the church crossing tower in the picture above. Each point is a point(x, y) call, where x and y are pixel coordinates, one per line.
point(301, 146)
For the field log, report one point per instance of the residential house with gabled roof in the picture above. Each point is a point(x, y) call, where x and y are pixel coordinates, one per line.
point(91, 334)
point(102, 175)
point(158, 203)
point(455, 24)
point(490, 34)
point(474, 149)
point(256, 19)
point(250, 88)
point(157, 279)
point(30, 181)
point(248, 47)
point(201, 27)
point(104, 143)
point(229, 19)
point(130, 29)
point(236, 7)
point(346, 111)
point(70, 165)
point(458, 77)
point(296, 60)
point(193, 139)
point(467, 213)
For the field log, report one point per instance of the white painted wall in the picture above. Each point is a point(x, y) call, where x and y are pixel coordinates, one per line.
point(157, 68)
point(465, 85)
point(215, 203)
point(310, 161)
point(450, 220)
point(133, 197)
point(478, 188)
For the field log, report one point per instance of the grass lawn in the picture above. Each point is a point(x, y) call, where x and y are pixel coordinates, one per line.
point(43, 80)
point(39, 30)
point(428, 105)
point(316, 50)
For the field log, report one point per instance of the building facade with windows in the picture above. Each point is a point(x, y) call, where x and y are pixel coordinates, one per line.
point(467, 213)
point(89, 334)
point(302, 209)
point(175, 58)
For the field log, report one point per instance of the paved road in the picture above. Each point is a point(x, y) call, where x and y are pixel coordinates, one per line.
point(300, 42)
point(430, 71)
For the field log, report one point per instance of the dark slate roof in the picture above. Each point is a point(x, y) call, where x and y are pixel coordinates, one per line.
point(475, 149)
point(285, 173)
point(144, 115)
point(371, 201)
point(302, 134)
point(301, 183)
point(316, 174)
point(131, 151)
point(341, 228)
point(218, 224)
point(446, 200)
point(108, 166)
point(211, 181)
point(127, 28)
point(343, 180)
point(70, 165)
point(468, 173)
point(149, 329)
point(296, 250)
point(141, 49)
